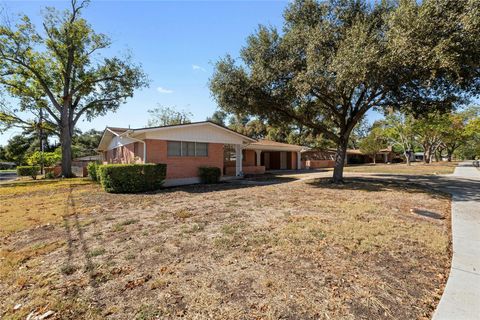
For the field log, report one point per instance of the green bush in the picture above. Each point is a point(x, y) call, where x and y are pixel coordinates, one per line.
point(209, 174)
point(28, 171)
point(92, 169)
point(49, 175)
point(131, 178)
point(48, 158)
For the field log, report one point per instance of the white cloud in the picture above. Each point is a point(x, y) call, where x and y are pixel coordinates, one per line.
point(164, 90)
point(197, 67)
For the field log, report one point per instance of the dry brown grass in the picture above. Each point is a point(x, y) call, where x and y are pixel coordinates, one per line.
point(417, 168)
point(303, 250)
point(34, 203)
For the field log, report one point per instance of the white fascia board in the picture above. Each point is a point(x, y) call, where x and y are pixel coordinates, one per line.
point(196, 132)
point(276, 148)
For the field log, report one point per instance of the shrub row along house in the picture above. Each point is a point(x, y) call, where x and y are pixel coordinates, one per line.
point(185, 148)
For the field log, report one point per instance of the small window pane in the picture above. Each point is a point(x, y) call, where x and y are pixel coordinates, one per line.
point(188, 149)
point(174, 148)
point(191, 149)
point(202, 149)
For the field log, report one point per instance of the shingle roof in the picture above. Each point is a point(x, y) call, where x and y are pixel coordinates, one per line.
point(265, 142)
point(117, 130)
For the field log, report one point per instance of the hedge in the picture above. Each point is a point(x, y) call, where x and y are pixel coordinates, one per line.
point(131, 178)
point(92, 169)
point(28, 171)
point(209, 174)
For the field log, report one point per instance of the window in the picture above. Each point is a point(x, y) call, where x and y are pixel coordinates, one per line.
point(229, 152)
point(174, 148)
point(202, 149)
point(187, 149)
point(114, 151)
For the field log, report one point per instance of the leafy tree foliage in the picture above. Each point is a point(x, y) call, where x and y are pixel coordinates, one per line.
point(335, 60)
point(218, 117)
point(17, 148)
point(429, 131)
point(400, 133)
point(359, 132)
point(85, 144)
point(471, 149)
point(46, 158)
point(373, 142)
point(59, 69)
point(166, 116)
point(460, 129)
point(2, 153)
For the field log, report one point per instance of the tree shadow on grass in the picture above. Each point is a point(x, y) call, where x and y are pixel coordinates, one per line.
point(72, 225)
point(229, 185)
point(443, 186)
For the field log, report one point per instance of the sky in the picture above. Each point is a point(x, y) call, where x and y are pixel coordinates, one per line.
point(176, 42)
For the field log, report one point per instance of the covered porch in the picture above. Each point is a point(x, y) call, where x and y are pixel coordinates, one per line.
point(261, 156)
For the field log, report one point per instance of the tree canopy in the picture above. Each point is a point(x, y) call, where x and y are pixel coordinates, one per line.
point(166, 116)
point(59, 69)
point(335, 60)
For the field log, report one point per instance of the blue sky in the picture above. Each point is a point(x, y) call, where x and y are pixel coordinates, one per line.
point(176, 42)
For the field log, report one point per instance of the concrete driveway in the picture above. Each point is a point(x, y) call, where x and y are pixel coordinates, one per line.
point(461, 298)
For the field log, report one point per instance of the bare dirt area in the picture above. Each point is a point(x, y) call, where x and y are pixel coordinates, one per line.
point(257, 249)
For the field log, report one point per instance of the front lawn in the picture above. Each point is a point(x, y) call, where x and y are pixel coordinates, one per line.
point(251, 250)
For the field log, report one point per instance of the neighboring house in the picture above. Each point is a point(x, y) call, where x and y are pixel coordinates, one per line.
point(326, 158)
point(79, 166)
point(356, 156)
point(7, 165)
point(186, 147)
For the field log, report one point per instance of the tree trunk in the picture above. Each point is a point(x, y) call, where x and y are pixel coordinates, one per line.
point(426, 155)
point(407, 157)
point(340, 161)
point(66, 143)
point(374, 159)
point(449, 156)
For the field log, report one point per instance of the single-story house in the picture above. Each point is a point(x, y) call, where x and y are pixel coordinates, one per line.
point(186, 147)
point(326, 158)
point(356, 156)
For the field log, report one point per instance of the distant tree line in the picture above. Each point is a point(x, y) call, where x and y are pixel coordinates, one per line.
point(23, 149)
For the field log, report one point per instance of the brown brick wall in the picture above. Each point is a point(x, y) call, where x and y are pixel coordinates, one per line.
point(183, 167)
point(125, 154)
point(249, 158)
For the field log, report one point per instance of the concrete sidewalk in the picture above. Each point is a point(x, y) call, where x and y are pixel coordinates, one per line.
point(461, 298)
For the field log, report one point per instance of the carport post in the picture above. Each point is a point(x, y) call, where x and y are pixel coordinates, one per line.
point(238, 160)
point(259, 158)
point(299, 160)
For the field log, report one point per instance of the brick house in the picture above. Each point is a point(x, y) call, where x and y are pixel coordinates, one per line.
point(186, 147)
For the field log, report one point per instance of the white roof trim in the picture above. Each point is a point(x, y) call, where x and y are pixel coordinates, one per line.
point(275, 148)
point(139, 131)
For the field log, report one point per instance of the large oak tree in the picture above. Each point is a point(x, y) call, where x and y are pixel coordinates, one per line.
point(60, 70)
point(335, 60)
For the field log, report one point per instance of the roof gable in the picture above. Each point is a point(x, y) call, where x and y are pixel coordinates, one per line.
point(205, 131)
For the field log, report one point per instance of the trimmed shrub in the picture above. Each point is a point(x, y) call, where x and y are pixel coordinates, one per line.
point(28, 171)
point(92, 169)
point(49, 175)
point(131, 178)
point(209, 174)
